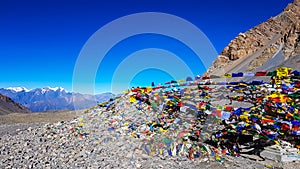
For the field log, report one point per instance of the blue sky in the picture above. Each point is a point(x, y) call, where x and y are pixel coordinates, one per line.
point(41, 40)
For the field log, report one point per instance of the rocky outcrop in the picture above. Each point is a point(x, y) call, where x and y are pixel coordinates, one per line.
point(7, 106)
point(261, 42)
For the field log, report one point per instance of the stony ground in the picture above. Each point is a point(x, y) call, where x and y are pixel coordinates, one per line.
point(37, 145)
point(87, 140)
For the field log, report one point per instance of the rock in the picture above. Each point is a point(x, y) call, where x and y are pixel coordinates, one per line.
point(281, 29)
point(144, 156)
point(27, 157)
point(138, 165)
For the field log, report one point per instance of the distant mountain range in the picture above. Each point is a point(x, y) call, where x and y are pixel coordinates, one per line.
point(268, 45)
point(8, 106)
point(47, 98)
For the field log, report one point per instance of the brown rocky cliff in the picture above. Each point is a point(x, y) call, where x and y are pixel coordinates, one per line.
point(7, 106)
point(254, 47)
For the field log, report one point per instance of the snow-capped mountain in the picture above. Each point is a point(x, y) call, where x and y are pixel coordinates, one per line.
point(47, 89)
point(48, 98)
point(18, 89)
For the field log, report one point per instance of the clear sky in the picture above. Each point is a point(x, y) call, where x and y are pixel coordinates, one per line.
point(40, 41)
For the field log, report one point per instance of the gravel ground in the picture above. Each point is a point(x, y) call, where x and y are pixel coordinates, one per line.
point(93, 140)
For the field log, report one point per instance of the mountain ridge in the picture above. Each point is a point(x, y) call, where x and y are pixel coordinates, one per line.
point(8, 106)
point(47, 98)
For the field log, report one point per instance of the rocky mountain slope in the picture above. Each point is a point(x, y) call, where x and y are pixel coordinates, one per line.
point(47, 98)
point(278, 37)
point(8, 106)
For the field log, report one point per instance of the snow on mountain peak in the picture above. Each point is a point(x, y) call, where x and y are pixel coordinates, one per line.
point(54, 88)
point(43, 90)
point(18, 89)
